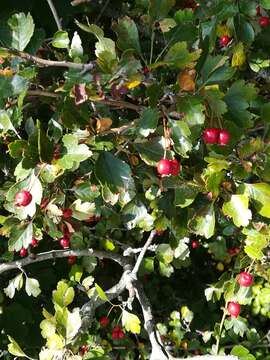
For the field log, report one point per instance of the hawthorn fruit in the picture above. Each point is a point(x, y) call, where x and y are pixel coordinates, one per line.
point(245, 279)
point(23, 198)
point(234, 309)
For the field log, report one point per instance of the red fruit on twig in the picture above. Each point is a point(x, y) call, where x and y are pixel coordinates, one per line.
point(23, 252)
point(224, 40)
point(104, 321)
point(233, 309)
point(264, 21)
point(34, 242)
point(195, 244)
point(64, 242)
point(72, 259)
point(245, 279)
point(223, 137)
point(23, 198)
point(67, 213)
point(210, 135)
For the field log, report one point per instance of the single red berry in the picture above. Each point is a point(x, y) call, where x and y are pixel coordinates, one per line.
point(72, 259)
point(23, 198)
point(84, 349)
point(224, 40)
point(195, 244)
point(34, 242)
point(210, 135)
point(234, 309)
point(121, 334)
point(23, 252)
point(175, 167)
point(104, 321)
point(233, 251)
point(146, 70)
point(258, 10)
point(245, 279)
point(67, 213)
point(224, 137)
point(264, 21)
point(164, 167)
point(64, 242)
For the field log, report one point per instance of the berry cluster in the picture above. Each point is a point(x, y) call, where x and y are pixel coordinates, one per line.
point(117, 333)
point(216, 136)
point(166, 167)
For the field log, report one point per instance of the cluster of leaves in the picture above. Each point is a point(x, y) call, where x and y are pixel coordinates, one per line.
point(89, 140)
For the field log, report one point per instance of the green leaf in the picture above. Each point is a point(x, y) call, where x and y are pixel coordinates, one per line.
point(73, 324)
point(260, 193)
point(185, 194)
point(5, 122)
point(242, 353)
point(239, 325)
point(12, 86)
point(135, 214)
point(203, 221)
point(159, 9)
point(112, 172)
point(131, 322)
point(151, 151)
point(165, 253)
point(76, 153)
point(76, 273)
point(179, 56)
point(127, 34)
point(22, 29)
point(180, 134)
point(48, 328)
point(20, 237)
point(14, 348)
point(237, 209)
point(148, 122)
point(265, 4)
point(32, 287)
point(165, 269)
point(255, 242)
point(63, 295)
point(60, 40)
point(101, 293)
point(86, 192)
point(106, 54)
point(244, 29)
point(193, 110)
point(214, 97)
point(92, 28)
point(265, 112)
point(89, 263)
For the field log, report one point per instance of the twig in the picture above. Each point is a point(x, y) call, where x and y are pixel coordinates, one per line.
point(121, 260)
point(142, 253)
point(55, 15)
point(46, 63)
point(79, 2)
point(129, 250)
point(102, 11)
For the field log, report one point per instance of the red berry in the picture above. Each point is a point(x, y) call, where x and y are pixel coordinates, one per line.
point(224, 40)
point(72, 259)
point(67, 213)
point(258, 10)
point(146, 70)
point(23, 252)
point(159, 232)
point(195, 244)
point(233, 251)
point(264, 21)
point(224, 137)
point(104, 321)
point(245, 279)
point(84, 349)
point(34, 242)
point(121, 334)
point(164, 167)
point(234, 309)
point(117, 333)
point(175, 167)
point(64, 242)
point(210, 135)
point(23, 198)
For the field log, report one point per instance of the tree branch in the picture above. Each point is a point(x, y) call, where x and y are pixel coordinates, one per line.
point(79, 2)
point(121, 260)
point(142, 253)
point(46, 63)
point(55, 15)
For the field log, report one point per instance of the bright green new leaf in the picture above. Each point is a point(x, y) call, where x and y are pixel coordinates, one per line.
point(260, 193)
point(165, 253)
point(14, 348)
point(60, 40)
point(13, 285)
point(63, 295)
point(237, 209)
point(101, 293)
point(73, 324)
point(131, 322)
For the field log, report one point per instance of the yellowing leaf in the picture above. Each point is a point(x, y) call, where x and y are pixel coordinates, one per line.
point(223, 30)
point(239, 57)
point(101, 293)
point(131, 322)
point(103, 124)
point(55, 342)
point(133, 84)
point(186, 80)
point(14, 348)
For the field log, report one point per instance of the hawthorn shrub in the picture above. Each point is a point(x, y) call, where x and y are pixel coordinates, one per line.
point(135, 169)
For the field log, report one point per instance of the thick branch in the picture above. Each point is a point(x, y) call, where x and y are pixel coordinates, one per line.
point(121, 260)
point(46, 63)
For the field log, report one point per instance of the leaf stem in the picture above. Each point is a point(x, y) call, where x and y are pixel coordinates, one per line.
point(220, 328)
point(55, 15)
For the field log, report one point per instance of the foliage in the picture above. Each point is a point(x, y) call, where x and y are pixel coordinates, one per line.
point(86, 114)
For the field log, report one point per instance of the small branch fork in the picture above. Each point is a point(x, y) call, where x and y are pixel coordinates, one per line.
point(128, 281)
